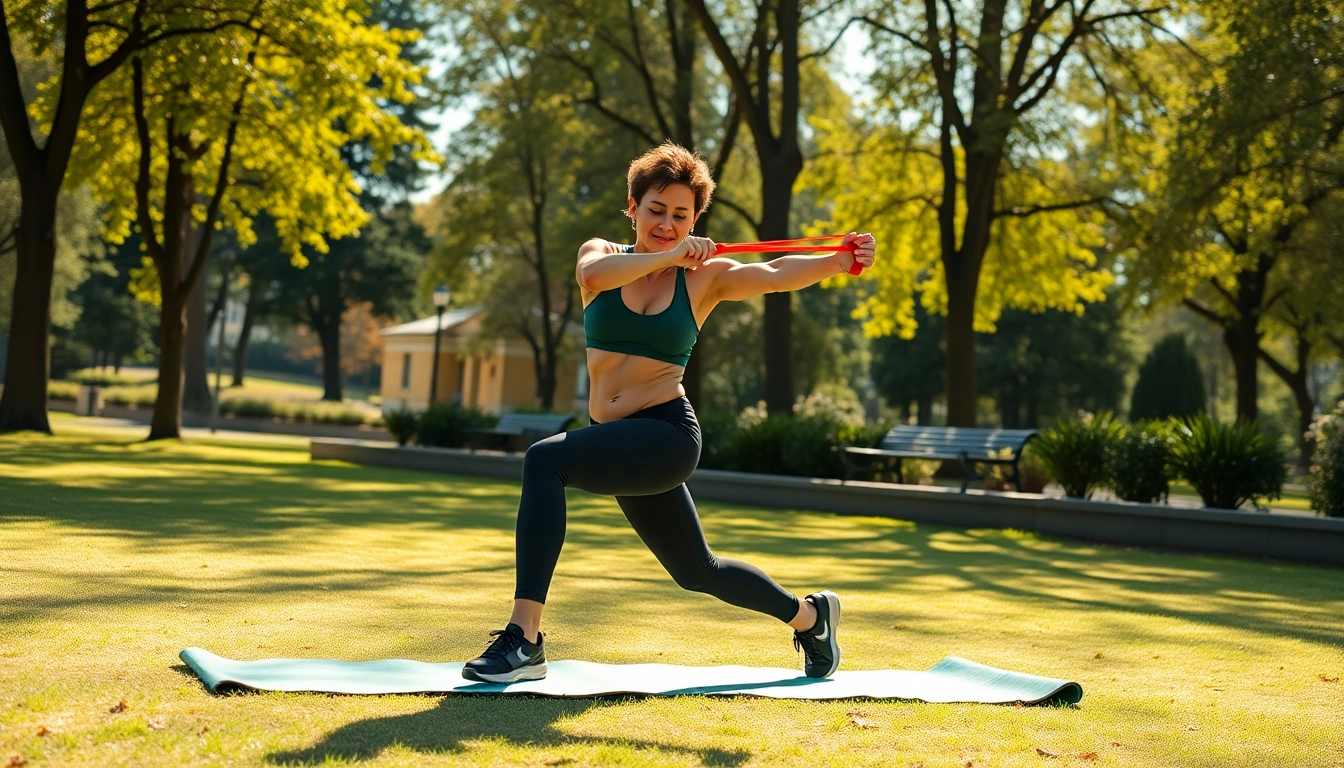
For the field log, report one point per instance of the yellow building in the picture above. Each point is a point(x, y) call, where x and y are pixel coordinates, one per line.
point(498, 378)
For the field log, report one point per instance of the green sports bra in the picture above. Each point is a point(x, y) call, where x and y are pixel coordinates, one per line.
point(667, 336)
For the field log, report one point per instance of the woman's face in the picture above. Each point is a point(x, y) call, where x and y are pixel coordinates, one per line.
point(664, 217)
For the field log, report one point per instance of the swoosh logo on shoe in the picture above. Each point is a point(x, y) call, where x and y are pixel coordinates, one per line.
point(826, 632)
point(522, 657)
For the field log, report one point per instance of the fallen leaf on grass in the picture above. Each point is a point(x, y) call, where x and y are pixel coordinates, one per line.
point(1192, 727)
point(120, 706)
point(1115, 744)
point(1325, 679)
point(1098, 656)
point(1046, 753)
point(860, 719)
point(157, 724)
point(44, 731)
point(900, 626)
point(1089, 756)
point(559, 761)
point(202, 731)
point(16, 760)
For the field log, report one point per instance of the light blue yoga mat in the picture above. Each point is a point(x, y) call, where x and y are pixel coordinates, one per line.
point(950, 680)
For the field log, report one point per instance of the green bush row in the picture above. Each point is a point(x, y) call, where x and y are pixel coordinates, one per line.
point(62, 390)
point(298, 411)
point(1326, 483)
point(1228, 465)
point(443, 425)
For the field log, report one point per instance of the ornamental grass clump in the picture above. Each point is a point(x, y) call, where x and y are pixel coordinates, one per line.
point(1228, 464)
point(1074, 452)
point(1138, 462)
point(401, 424)
point(1326, 483)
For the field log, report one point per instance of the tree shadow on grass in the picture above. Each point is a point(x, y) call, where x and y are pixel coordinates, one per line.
point(528, 721)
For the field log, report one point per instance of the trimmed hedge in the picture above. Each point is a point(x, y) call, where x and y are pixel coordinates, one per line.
point(1326, 483)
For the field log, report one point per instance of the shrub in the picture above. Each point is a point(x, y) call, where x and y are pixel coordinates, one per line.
point(808, 447)
point(297, 411)
point(401, 424)
point(1074, 452)
point(836, 402)
point(445, 425)
point(1138, 462)
point(1326, 482)
point(1170, 383)
point(135, 397)
point(1031, 471)
point(717, 432)
point(92, 377)
point(1228, 464)
point(758, 446)
point(62, 390)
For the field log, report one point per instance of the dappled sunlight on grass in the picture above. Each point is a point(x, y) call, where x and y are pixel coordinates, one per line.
point(118, 554)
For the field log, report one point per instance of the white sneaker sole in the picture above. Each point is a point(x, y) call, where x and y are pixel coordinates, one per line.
point(530, 672)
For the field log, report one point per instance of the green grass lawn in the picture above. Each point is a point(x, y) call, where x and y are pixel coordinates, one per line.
point(116, 555)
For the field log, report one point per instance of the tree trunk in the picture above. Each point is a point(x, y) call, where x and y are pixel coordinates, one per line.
point(196, 394)
point(776, 196)
point(244, 336)
point(330, 335)
point(23, 406)
point(924, 410)
point(1297, 381)
point(960, 362)
point(166, 423)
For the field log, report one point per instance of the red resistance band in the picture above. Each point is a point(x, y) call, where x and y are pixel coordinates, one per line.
point(802, 244)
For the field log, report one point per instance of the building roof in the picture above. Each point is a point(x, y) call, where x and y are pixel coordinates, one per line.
point(451, 319)
point(425, 325)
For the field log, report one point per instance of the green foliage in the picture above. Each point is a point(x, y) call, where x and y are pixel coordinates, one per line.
point(445, 425)
point(1074, 452)
point(1228, 464)
point(1032, 472)
point(66, 391)
point(296, 411)
point(1326, 483)
point(1138, 462)
point(1170, 383)
point(101, 378)
point(758, 445)
point(717, 429)
point(402, 424)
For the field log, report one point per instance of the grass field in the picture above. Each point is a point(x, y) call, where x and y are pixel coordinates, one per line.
point(116, 555)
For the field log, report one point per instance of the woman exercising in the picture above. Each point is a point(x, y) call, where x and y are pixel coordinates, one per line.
point(644, 305)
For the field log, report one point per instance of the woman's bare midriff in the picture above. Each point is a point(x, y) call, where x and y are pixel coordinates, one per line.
point(620, 384)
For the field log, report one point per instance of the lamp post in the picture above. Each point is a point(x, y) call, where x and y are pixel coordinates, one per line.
point(226, 265)
point(440, 304)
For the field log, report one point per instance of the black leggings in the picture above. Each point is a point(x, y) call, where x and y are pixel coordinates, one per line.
point(643, 460)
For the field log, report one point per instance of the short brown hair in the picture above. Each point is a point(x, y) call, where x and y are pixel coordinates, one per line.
point(671, 163)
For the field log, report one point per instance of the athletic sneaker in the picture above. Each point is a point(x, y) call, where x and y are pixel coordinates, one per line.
point(823, 653)
point(509, 658)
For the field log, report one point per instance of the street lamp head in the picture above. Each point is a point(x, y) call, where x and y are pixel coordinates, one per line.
point(441, 296)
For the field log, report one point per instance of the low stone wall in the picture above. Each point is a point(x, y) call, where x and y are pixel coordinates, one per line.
point(1291, 537)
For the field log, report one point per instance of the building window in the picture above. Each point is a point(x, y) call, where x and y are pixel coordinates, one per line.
point(406, 371)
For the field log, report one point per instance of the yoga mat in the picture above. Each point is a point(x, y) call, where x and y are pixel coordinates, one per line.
point(950, 680)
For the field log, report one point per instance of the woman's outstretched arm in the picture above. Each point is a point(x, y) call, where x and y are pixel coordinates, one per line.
point(734, 281)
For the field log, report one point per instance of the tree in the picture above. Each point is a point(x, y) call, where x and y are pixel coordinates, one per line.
point(379, 267)
point(248, 91)
point(94, 42)
point(1170, 383)
point(114, 325)
point(910, 370)
point(765, 84)
point(962, 163)
point(656, 52)
point(534, 177)
point(1255, 157)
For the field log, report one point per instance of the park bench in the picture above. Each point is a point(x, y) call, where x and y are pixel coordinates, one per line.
point(517, 431)
point(967, 445)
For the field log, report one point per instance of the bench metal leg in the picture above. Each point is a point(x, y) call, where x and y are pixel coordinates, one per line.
point(966, 474)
